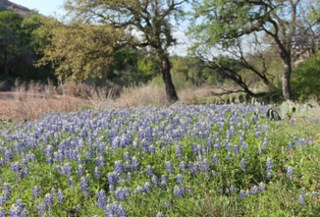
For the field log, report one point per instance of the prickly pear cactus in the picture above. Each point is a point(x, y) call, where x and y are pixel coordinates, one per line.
point(287, 109)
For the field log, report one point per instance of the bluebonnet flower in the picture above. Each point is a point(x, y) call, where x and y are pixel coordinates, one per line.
point(15, 167)
point(60, 196)
point(193, 167)
point(114, 210)
point(84, 185)
point(113, 178)
point(80, 170)
point(244, 146)
point(139, 190)
point(205, 166)
point(152, 149)
point(179, 179)
point(215, 159)
point(70, 181)
point(118, 166)
point(196, 149)
point(41, 209)
point(134, 162)
point(290, 172)
point(2, 212)
point(182, 166)
point(179, 151)
point(269, 164)
point(236, 149)
point(128, 166)
point(301, 199)
point(67, 169)
point(168, 166)
point(163, 184)
point(127, 156)
point(149, 171)
point(102, 198)
point(178, 191)
point(48, 200)
point(8, 156)
point(160, 214)
point(6, 188)
point(241, 194)
point(246, 193)
point(254, 190)
point(121, 193)
point(290, 145)
point(100, 162)
point(35, 192)
point(147, 187)
point(97, 173)
point(265, 143)
point(243, 164)
point(231, 189)
point(14, 211)
point(262, 186)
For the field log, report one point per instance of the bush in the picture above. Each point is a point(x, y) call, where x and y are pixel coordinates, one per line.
point(305, 79)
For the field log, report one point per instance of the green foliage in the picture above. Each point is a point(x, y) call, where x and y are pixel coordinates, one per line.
point(81, 51)
point(19, 44)
point(305, 79)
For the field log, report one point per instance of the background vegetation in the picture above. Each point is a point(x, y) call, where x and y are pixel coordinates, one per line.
point(224, 59)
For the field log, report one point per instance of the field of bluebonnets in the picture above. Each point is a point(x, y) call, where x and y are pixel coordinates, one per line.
point(227, 160)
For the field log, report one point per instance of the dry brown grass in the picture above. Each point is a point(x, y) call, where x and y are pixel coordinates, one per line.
point(31, 101)
point(33, 108)
point(155, 95)
point(141, 96)
point(195, 95)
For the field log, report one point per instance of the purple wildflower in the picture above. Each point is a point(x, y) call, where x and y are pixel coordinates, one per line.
point(182, 166)
point(301, 199)
point(179, 179)
point(168, 166)
point(243, 164)
point(149, 171)
point(118, 166)
point(178, 191)
point(35, 192)
point(215, 159)
point(290, 172)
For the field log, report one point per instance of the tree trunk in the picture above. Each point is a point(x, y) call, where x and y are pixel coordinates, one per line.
point(5, 67)
point(166, 76)
point(286, 89)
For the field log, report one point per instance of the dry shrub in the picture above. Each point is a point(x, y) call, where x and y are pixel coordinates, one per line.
point(89, 91)
point(141, 96)
point(194, 95)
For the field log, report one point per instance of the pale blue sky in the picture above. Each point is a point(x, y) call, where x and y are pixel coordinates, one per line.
point(46, 7)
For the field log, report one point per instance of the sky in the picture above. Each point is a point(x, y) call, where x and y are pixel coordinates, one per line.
point(45, 7)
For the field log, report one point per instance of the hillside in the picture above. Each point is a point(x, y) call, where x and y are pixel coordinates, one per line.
point(7, 5)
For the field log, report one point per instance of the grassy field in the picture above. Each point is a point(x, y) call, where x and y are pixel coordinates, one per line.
point(227, 160)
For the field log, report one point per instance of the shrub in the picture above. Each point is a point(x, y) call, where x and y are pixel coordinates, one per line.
point(305, 79)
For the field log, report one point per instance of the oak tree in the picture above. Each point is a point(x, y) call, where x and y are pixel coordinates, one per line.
point(151, 21)
point(284, 22)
